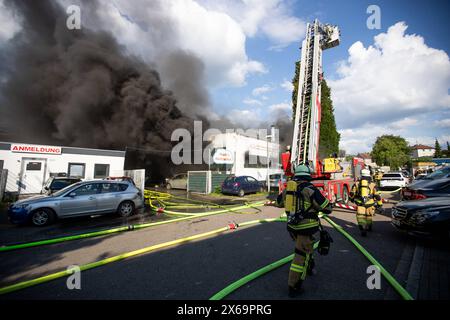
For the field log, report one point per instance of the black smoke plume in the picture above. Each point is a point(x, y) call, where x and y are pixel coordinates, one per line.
point(79, 88)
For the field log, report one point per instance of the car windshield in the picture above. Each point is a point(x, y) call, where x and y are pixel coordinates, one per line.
point(62, 191)
point(438, 174)
point(391, 175)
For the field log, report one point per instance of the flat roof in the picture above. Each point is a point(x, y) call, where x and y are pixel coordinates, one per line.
point(72, 150)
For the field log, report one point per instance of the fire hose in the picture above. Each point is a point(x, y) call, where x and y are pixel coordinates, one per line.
point(28, 283)
point(274, 265)
point(60, 274)
point(186, 216)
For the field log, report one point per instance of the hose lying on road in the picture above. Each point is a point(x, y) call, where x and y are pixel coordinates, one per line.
point(239, 283)
point(25, 284)
point(392, 191)
point(403, 293)
point(258, 273)
point(60, 274)
point(126, 228)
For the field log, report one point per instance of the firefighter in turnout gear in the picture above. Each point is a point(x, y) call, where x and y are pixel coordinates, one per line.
point(303, 202)
point(365, 195)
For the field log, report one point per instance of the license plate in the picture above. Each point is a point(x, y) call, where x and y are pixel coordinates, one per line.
point(407, 193)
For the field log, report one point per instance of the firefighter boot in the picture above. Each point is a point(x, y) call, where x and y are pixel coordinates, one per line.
point(297, 290)
point(363, 232)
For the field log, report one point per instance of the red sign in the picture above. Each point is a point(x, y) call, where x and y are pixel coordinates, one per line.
point(31, 148)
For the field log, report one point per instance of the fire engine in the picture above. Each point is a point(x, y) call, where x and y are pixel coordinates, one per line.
point(307, 118)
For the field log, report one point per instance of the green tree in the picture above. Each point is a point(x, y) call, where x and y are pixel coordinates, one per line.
point(437, 149)
point(329, 136)
point(390, 150)
point(446, 153)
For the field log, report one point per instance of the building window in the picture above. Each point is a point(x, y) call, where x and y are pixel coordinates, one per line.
point(34, 166)
point(76, 170)
point(101, 170)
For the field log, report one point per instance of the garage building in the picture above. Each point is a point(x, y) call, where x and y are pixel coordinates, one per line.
point(29, 165)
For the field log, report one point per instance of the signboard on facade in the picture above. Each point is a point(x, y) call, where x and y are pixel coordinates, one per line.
point(32, 148)
point(223, 156)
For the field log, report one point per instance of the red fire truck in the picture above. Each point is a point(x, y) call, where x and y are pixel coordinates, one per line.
point(307, 118)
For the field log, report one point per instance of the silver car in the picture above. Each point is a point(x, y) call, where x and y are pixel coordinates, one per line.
point(79, 199)
point(178, 181)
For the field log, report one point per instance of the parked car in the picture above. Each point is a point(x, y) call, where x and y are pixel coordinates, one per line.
point(393, 179)
point(420, 176)
point(178, 181)
point(429, 216)
point(241, 185)
point(440, 173)
point(54, 184)
point(79, 199)
point(427, 189)
point(275, 178)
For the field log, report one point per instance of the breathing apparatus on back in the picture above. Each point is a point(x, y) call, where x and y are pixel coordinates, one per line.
point(364, 185)
point(294, 202)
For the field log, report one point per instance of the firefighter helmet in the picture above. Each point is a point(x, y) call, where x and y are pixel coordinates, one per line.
point(302, 170)
point(365, 173)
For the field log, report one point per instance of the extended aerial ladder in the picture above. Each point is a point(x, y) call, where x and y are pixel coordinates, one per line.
point(307, 118)
point(305, 140)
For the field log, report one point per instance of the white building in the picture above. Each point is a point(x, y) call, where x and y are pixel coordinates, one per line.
point(420, 150)
point(249, 155)
point(30, 165)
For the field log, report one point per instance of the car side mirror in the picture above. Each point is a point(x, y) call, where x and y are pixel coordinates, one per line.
point(46, 188)
point(72, 194)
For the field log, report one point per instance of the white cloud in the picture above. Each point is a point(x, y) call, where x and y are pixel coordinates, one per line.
point(260, 90)
point(444, 123)
point(244, 117)
point(397, 76)
point(281, 110)
point(429, 140)
point(151, 29)
point(380, 89)
point(271, 18)
point(403, 124)
point(284, 106)
point(252, 102)
point(287, 85)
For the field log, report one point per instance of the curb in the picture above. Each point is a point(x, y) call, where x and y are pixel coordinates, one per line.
point(413, 281)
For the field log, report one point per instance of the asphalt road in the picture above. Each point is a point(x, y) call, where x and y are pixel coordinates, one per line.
point(199, 269)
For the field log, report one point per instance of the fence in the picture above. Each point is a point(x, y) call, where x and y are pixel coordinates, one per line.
point(204, 181)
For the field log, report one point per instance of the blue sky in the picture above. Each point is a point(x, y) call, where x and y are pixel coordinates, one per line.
point(426, 19)
point(392, 80)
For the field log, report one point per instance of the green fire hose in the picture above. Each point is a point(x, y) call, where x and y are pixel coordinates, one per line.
point(260, 272)
point(124, 229)
point(60, 274)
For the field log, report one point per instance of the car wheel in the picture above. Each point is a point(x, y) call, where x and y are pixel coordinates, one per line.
point(241, 193)
point(168, 186)
point(42, 217)
point(125, 209)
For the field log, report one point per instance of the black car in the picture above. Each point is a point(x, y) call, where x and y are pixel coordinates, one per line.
point(441, 173)
point(427, 189)
point(54, 184)
point(428, 216)
point(241, 185)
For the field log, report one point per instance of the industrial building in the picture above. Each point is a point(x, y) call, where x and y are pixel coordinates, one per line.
point(28, 166)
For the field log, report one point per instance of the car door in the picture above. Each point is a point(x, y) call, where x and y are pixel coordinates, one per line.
point(175, 182)
point(183, 181)
point(253, 184)
point(108, 198)
point(80, 201)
